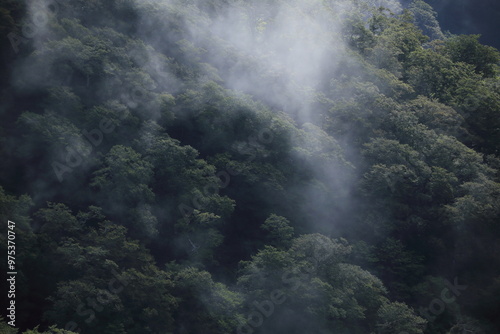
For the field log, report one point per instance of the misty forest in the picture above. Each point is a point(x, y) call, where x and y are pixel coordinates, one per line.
point(247, 166)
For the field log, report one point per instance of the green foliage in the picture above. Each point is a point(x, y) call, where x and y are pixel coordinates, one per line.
point(479, 102)
point(468, 49)
point(58, 221)
point(426, 19)
point(223, 118)
point(279, 230)
point(51, 330)
point(435, 75)
point(124, 176)
point(205, 305)
point(5, 328)
point(50, 133)
point(398, 318)
point(439, 117)
point(317, 282)
point(396, 264)
point(15, 209)
point(396, 40)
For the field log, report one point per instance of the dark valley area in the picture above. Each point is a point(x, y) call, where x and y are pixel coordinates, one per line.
point(249, 166)
point(470, 17)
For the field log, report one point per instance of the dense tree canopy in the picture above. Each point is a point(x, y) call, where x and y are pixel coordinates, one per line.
point(264, 166)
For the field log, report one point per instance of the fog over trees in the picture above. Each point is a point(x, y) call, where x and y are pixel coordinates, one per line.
point(258, 166)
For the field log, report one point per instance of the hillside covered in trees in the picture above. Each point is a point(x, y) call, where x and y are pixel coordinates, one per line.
point(247, 166)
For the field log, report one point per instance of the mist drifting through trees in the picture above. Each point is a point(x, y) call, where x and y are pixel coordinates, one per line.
point(231, 166)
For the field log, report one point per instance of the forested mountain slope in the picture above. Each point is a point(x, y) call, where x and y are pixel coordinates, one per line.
point(264, 166)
